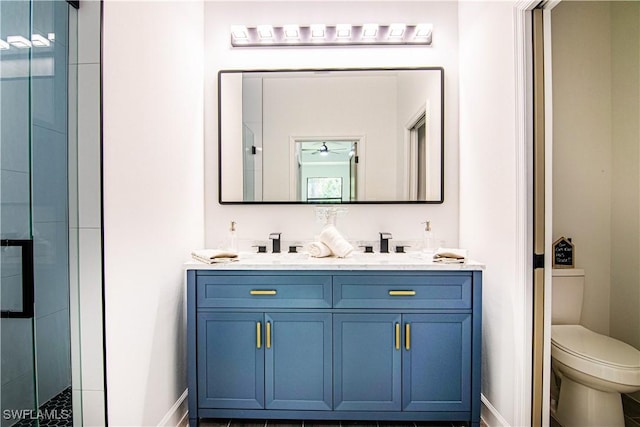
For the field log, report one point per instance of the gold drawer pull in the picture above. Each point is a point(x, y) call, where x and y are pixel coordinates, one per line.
point(258, 332)
point(397, 336)
point(402, 293)
point(268, 334)
point(262, 292)
point(407, 337)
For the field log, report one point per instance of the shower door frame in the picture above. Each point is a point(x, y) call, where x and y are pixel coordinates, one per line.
point(26, 307)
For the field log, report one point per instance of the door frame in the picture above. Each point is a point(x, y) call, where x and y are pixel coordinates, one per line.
point(531, 402)
point(540, 102)
point(294, 186)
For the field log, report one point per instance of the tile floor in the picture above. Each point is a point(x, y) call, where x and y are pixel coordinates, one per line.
point(54, 413)
point(295, 423)
point(631, 413)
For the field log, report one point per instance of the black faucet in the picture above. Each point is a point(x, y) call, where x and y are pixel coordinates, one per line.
point(275, 237)
point(384, 242)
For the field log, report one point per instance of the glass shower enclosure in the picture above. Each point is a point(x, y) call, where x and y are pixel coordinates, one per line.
point(38, 42)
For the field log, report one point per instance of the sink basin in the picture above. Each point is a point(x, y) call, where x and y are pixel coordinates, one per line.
point(267, 258)
point(378, 258)
point(353, 258)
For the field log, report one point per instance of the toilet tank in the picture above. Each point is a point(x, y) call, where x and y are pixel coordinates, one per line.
point(567, 288)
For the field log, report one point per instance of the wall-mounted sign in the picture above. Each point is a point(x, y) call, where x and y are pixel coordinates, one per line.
point(563, 253)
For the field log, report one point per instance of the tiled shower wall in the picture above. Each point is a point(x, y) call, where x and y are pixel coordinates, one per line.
point(85, 231)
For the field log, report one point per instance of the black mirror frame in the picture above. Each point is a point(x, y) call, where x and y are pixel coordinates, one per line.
point(402, 202)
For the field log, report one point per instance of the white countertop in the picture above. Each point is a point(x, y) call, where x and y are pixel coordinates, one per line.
point(419, 261)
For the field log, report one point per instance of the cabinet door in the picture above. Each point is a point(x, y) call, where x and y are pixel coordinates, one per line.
point(436, 366)
point(367, 362)
point(298, 361)
point(230, 360)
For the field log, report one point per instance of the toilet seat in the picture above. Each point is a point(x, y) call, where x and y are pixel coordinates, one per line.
point(595, 354)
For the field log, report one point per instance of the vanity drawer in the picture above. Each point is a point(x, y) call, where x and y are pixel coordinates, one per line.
point(405, 291)
point(268, 291)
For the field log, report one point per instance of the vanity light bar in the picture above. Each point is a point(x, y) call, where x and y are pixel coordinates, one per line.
point(21, 42)
point(331, 35)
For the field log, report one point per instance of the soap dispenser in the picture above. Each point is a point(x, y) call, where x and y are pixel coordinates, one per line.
point(428, 239)
point(233, 237)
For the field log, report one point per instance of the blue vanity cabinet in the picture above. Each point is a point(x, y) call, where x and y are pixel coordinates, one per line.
point(416, 360)
point(298, 352)
point(408, 362)
point(263, 341)
point(230, 363)
point(334, 344)
point(367, 362)
point(436, 362)
point(271, 360)
point(264, 360)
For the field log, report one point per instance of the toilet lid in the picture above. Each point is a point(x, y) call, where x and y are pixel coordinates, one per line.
point(584, 343)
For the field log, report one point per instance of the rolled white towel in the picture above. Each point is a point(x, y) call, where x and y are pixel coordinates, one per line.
point(211, 256)
point(318, 250)
point(450, 255)
point(331, 237)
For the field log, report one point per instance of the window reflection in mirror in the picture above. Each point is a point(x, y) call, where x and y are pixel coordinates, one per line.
point(325, 167)
point(379, 130)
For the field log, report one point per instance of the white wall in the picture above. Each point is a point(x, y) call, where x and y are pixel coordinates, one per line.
point(252, 118)
point(157, 132)
point(232, 119)
point(597, 156)
point(362, 222)
point(417, 96)
point(625, 209)
point(582, 149)
point(330, 107)
point(490, 195)
point(153, 200)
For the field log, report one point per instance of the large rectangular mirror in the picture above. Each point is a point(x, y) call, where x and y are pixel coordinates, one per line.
point(331, 136)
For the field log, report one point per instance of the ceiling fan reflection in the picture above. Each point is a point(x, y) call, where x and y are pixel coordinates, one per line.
point(324, 150)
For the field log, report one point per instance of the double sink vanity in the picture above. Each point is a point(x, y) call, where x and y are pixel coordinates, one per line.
point(379, 337)
point(386, 337)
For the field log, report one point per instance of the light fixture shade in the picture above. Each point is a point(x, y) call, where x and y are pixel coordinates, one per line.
point(370, 31)
point(423, 30)
point(291, 32)
point(396, 30)
point(331, 35)
point(19, 42)
point(40, 41)
point(343, 31)
point(265, 32)
point(318, 31)
point(240, 33)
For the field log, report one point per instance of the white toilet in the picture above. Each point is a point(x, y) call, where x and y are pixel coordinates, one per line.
point(594, 369)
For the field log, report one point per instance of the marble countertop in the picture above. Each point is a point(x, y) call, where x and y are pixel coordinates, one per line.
point(359, 261)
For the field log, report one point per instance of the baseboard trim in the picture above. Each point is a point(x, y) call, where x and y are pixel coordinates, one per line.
point(184, 421)
point(490, 414)
point(177, 414)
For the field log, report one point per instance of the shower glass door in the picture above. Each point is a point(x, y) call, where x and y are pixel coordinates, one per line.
point(16, 269)
point(35, 344)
